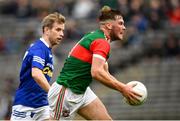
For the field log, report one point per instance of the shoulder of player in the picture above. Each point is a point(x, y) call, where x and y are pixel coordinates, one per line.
point(38, 48)
point(93, 36)
point(38, 45)
point(97, 34)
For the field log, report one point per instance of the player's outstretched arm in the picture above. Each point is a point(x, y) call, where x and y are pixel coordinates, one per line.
point(98, 72)
point(101, 74)
point(39, 77)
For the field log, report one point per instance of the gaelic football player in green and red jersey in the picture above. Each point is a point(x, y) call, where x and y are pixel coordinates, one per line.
point(87, 60)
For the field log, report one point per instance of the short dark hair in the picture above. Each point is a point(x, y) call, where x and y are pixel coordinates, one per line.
point(108, 14)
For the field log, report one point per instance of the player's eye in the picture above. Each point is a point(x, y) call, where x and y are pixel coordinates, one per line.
point(58, 29)
point(121, 23)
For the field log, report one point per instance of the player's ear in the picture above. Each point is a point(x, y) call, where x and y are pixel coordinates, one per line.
point(109, 25)
point(46, 30)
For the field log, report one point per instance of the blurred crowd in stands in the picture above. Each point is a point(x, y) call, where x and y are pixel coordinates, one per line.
point(141, 16)
point(143, 13)
point(153, 26)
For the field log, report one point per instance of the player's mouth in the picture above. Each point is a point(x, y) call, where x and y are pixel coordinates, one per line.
point(121, 33)
point(59, 38)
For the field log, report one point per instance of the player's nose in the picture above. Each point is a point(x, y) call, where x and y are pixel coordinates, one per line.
point(61, 34)
point(124, 28)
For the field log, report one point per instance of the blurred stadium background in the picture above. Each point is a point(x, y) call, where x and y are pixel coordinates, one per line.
point(150, 52)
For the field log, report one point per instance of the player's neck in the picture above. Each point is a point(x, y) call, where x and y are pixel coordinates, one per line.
point(106, 33)
point(47, 41)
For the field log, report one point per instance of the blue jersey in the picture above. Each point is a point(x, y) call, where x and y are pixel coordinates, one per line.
point(29, 93)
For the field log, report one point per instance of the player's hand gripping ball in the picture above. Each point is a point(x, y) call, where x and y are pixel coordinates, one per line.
point(141, 89)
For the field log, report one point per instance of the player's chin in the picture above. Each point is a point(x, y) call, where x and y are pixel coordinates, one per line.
point(120, 37)
point(55, 43)
point(58, 41)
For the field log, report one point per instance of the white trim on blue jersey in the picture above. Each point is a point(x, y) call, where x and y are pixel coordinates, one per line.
point(42, 39)
point(39, 60)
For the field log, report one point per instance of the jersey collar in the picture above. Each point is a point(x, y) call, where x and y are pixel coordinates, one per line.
point(44, 42)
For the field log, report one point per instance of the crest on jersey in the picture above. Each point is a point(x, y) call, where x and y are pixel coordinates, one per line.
point(65, 113)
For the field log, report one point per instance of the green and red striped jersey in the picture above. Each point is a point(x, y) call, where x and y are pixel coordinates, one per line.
point(76, 73)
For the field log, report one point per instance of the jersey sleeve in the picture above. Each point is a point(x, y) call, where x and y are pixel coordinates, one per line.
point(100, 47)
point(38, 59)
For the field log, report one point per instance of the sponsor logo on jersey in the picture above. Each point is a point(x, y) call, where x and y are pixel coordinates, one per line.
point(47, 70)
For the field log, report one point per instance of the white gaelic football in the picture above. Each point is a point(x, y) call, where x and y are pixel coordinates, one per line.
point(141, 89)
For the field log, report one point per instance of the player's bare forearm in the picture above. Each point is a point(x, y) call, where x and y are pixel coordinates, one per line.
point(106, 68)
point(105, 78)
point(99, 71)
point(40, 79)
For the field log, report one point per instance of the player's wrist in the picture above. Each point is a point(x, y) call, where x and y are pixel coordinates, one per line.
point(121, 87)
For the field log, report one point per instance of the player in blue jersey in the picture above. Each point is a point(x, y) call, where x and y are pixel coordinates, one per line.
point(30, 101)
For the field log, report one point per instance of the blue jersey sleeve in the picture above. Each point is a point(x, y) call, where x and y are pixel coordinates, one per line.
point(38, 59)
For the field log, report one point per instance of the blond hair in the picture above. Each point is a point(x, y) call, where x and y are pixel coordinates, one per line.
point(49, 20)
